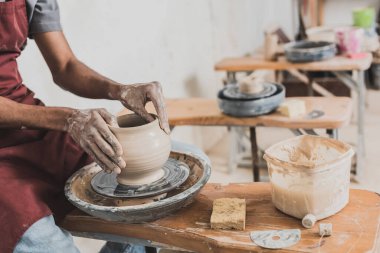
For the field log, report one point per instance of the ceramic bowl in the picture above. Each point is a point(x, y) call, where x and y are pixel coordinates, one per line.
point(146, 148)
point(309, 51)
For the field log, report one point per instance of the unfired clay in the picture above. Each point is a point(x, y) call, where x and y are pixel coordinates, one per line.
point(251, 86)
point(146, 149)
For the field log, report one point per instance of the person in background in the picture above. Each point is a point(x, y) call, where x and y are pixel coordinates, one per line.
point(40, 147)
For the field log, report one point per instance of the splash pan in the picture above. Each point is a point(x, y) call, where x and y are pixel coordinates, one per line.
point(80, 193)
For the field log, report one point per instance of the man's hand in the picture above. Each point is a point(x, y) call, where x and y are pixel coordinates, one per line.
point(89, 129)
point(135, 96)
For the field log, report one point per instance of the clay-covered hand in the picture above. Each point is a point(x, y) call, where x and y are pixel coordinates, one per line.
point(89, 129)
point(135, 96)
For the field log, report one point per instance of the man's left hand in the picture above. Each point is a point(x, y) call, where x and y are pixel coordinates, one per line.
point(136, 96)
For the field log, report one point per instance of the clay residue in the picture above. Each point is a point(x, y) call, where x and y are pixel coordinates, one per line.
point(310, 152)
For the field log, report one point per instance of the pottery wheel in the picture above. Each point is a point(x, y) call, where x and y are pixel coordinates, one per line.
point(232, 92)
point(251, 107)
point(175, 173)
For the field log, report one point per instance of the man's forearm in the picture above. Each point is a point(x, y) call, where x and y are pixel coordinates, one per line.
point(71, 74)
point(79, 79)
point(16, 115)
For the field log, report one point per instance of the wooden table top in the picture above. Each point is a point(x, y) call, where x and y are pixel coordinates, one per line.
point(202, 111)
point(355, 228)
point(251, 63)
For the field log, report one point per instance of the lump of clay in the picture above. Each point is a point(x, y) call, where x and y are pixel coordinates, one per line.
point(228, 213)
point(251, 86)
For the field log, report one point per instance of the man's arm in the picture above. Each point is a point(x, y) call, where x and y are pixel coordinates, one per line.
point(71, 74)
point(16, 115)
point(87, 127)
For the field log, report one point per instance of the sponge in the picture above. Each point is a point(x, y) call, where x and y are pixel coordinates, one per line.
point(228, 213)
point(293, 108)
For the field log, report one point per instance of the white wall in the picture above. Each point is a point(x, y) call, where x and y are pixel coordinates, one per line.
point(175, 42)
point(339, 12)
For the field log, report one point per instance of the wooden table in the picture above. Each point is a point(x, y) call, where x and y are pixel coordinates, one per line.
point(338, 65)
point(205, 112)
point(355, 228)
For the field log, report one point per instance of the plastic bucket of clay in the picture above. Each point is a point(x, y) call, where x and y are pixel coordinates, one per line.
point(309, 175)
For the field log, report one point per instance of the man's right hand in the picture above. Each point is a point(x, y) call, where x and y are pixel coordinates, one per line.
point(89, 129)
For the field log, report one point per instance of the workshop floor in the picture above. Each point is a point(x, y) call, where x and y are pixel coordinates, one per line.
point(267, 136)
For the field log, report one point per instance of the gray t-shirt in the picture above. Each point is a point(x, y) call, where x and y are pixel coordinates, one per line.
point(43, 16)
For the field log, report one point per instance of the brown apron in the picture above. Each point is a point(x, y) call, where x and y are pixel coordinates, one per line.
point(34, 164)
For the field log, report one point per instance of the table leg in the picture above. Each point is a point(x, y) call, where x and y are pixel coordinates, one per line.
point(333, 133)
point(310, 132)
point(231, 78)
point(361, 117)
point(233, 149)
point(254, 151)
point(310, 91)
point(296, 132)
point(357, 84)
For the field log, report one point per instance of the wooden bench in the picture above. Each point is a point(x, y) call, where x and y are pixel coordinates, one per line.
point(355, 228)
point(205, 112)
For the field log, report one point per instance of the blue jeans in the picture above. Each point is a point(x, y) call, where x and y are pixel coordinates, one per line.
point(44, 236)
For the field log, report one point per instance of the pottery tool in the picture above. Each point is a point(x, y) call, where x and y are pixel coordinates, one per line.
point(325, 229)
point(228, 213)
point(314, 114)
point(276, 239)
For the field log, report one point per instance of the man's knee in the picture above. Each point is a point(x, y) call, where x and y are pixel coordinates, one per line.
point(44, 236)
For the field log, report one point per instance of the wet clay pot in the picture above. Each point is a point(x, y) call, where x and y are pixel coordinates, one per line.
point(146, 148)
